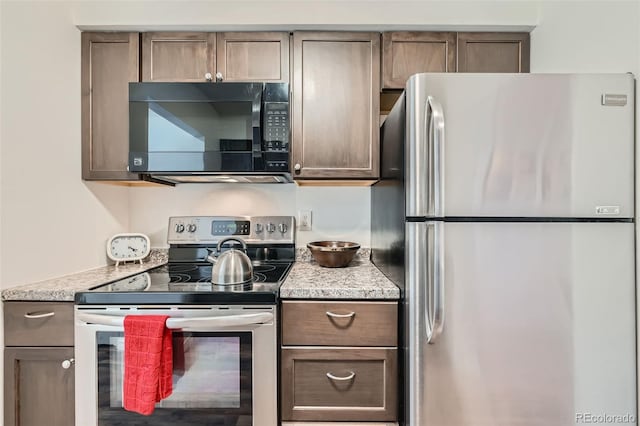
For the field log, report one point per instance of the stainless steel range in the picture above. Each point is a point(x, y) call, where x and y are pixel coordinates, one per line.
point(226, 373)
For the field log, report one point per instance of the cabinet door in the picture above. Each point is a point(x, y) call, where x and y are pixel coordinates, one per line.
point(37, 389)
point(109, 63)
point(340, 384)
point(493, 52)
point(407, 53)
point(178, 56)
point(253, 56)
point(336, 81)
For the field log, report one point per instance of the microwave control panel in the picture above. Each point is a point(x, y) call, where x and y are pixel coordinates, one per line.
point(276, 127)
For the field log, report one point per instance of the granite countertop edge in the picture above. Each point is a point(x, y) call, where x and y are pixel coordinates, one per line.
point(360, 280)
point(64, 288)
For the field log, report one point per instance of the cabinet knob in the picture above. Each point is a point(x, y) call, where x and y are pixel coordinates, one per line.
point(219, 76)
point(68, 362)
point(208, 76)
point(297, 167)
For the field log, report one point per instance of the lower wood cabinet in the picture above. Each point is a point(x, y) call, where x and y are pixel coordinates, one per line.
point(341, 384)
point(38, 390)
point(339, 323)
point(38, 383)
point(339, 362)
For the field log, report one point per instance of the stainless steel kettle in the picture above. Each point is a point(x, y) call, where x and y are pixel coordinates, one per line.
point(231, 267)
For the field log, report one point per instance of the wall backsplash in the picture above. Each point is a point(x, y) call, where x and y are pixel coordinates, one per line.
point(338, 212)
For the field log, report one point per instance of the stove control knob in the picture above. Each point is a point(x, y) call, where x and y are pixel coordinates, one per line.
point(192, 227)
point(259, 228)
point(179, 228)
point(283, 228)
point(271, 227)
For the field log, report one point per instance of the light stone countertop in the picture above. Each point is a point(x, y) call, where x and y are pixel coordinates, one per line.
point(306, 280)
point(63, 289)
point(360, 280)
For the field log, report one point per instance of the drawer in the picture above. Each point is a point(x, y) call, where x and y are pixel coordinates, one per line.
point(334, 323)
point(38, 324)
point(339, 384)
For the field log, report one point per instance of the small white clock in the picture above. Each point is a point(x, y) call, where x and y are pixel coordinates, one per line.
point(128, 247)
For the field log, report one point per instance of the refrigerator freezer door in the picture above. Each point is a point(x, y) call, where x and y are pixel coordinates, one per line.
point(539, 329)
point(520, 145)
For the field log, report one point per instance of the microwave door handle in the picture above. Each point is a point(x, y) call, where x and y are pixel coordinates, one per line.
point(206, 323)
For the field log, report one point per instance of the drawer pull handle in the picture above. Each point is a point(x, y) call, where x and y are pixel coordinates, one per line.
point(333, 315)
point(39, 315)
point(342, 379)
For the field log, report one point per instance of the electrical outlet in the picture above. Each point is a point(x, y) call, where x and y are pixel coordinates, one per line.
point(304, 220)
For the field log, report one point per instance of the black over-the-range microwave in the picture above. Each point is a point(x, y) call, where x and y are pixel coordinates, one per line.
point(210, 132)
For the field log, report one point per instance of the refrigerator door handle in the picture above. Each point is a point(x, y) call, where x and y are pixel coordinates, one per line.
point(435, 281)
point(435, 121)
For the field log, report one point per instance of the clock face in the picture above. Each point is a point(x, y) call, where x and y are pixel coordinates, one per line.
point(123, 247)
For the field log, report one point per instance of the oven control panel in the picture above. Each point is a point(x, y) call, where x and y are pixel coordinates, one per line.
point(211, 229)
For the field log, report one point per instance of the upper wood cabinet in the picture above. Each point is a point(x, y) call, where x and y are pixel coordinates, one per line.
point(408, 53)
point(336, 83)
point(109, 63)
point(253, 56)
point(493, 52)
point(232, 56)
point(178, 56)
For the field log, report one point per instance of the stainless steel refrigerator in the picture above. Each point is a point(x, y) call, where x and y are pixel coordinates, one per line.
point(505, 213)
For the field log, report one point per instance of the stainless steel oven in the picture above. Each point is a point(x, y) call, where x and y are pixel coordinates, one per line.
point(226, 373)
point(224, 336)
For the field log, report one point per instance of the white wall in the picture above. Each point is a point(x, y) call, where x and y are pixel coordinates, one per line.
point(338, 213)
point(582, 36)
point(52, 223)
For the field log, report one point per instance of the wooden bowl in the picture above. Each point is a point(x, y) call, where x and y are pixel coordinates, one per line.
point(333, 254)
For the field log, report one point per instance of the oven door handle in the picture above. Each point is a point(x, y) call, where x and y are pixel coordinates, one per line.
point(201, 323)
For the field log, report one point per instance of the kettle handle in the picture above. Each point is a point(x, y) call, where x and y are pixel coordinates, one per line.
point(221, 242)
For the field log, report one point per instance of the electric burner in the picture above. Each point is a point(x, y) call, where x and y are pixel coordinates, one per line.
point(186, 279)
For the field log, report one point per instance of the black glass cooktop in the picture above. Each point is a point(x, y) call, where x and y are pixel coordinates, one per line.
point(188, 283)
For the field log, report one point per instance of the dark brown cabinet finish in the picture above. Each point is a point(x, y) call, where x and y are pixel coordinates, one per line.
point(109, 63)
point(336, 81)
point(38, 324)
point(339, 384)
point(38, 390)
point(337, 323)
point(407, 53)
point(253, 56)
point(493, 52)
point(178, 56)
point(339, 360)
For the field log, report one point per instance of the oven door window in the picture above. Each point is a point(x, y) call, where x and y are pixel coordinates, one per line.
point(211, 381)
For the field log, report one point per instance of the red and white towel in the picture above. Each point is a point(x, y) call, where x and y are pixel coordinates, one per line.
point(148, 362)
